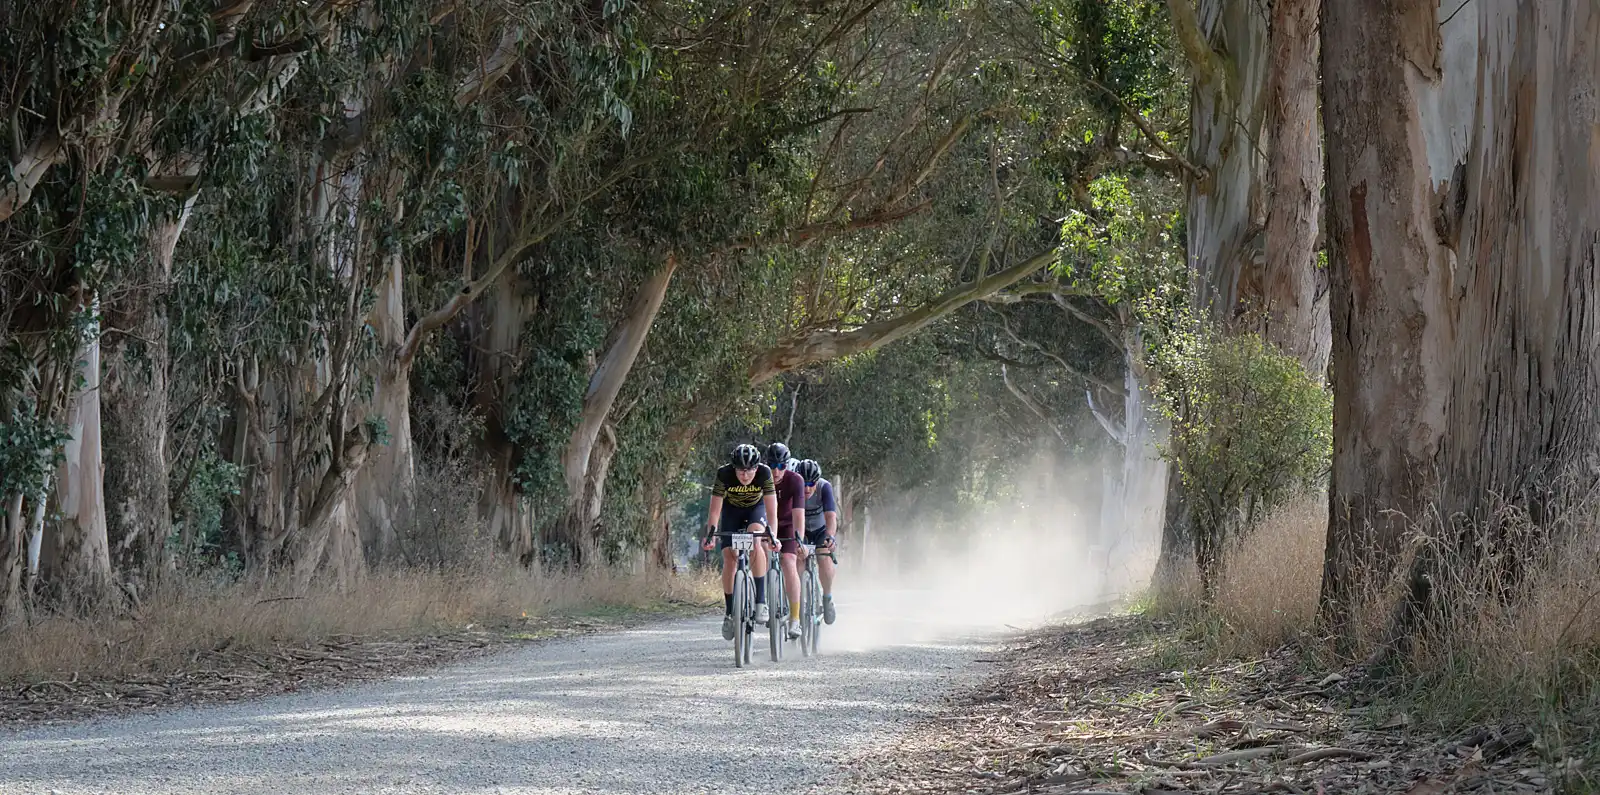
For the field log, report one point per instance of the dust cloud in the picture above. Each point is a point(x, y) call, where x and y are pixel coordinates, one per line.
point(925, 569)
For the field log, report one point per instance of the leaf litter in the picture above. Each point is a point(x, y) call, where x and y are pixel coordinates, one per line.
point(1096, 708)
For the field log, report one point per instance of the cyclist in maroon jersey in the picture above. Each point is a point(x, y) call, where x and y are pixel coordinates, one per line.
point(791, 522)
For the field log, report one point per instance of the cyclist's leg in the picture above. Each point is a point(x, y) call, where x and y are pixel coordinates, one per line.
point(791, 575)
point(729, 522)
point(824, 562)
point(825, 573)
point(758, 562)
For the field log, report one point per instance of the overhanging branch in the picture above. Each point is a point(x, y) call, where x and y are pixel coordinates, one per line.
point(823, 345)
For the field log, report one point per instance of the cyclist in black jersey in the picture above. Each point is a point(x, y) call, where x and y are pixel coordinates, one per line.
point(743, 496)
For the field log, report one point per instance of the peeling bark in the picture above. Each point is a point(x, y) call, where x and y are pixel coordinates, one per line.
point(135, 396)
point(1296, 296)
point(1464, 179)
point(385, 485)
point(76, 550)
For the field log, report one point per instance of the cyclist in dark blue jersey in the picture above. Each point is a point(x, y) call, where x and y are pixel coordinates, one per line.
point(743, 496)
point(822, 525)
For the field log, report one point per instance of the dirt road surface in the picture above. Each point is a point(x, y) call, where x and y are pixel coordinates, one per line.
point(659, 709)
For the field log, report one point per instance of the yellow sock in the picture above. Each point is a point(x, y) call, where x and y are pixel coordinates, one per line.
point(794, 611)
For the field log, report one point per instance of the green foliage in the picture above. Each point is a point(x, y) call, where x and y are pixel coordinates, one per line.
point(1249, 429)
point(1125, 247)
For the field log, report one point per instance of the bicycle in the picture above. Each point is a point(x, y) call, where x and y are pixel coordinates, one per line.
point(811, 601)
point(744, 596)
point(778, 614)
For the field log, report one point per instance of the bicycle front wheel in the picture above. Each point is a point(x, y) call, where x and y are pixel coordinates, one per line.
point(740, 633)
point(776, 600)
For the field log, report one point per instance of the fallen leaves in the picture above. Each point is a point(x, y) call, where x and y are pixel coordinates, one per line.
point(1096, 708)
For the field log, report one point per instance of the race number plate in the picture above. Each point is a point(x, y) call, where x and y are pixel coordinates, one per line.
point(809, 548)
point(743, 542)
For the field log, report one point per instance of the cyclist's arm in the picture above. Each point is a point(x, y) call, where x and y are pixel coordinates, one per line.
point(830, 510)
point(714, 515)
point(797, 505)
point(772, 511)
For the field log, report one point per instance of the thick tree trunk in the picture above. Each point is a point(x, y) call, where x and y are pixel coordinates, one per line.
point(134, 395)
point(1464, 180)
point(1296, 292)
point(505, 513)
point(11, 555)
point(76, 551)
point(385, 485)
point(1227, 208)
point(1253, 133)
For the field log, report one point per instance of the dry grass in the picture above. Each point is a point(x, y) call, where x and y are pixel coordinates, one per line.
point(186, 617)
point(1517, 642)
point(1271, 578)
point(1521, 643)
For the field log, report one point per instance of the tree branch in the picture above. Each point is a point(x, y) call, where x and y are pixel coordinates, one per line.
point(1116, 429)
point(1033, 406)
point(1208, 66)
point(1060, 362)
point(1143, 124)
point(490, 69)
point(823, 345)
point(1099, 325)
point(608, 378)
point(800, 236)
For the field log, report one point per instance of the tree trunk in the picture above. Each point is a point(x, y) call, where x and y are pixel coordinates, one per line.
point(606, 383)
point(11, 535)
point(385, 485)
point(1143, 475)
point(1296, 297)
point(1250, 270)
point(504, 512)
point(1464, 176)
point(1227, 207)
point(76, 552)
point(134, 396)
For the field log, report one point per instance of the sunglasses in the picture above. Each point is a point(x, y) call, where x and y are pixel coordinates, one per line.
point(810, 483)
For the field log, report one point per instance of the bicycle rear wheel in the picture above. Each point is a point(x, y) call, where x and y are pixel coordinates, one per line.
point(805, 615)
point(740, 634)
point(814, 620)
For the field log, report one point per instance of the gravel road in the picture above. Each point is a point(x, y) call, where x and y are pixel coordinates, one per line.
point(653, 710)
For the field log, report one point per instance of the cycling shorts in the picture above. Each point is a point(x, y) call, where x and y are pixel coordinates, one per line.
point(738, 520)
point(791, 545)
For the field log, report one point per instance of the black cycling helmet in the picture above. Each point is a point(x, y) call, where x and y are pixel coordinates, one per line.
point(745, 456)
point(810, 471)
point(777, 456)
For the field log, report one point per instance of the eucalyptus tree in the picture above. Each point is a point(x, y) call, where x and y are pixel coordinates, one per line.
point(1462, 228)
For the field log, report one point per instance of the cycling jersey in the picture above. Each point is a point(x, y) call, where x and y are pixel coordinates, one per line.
point(791, 498)
point(819, 503)
point(739, 495)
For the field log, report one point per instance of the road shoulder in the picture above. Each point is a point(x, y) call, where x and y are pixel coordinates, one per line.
point(1118, 705)
point(227, 675)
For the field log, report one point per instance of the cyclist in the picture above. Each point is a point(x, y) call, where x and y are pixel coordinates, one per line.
point(743, 495)
point(822, 524)
point(791, 517)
